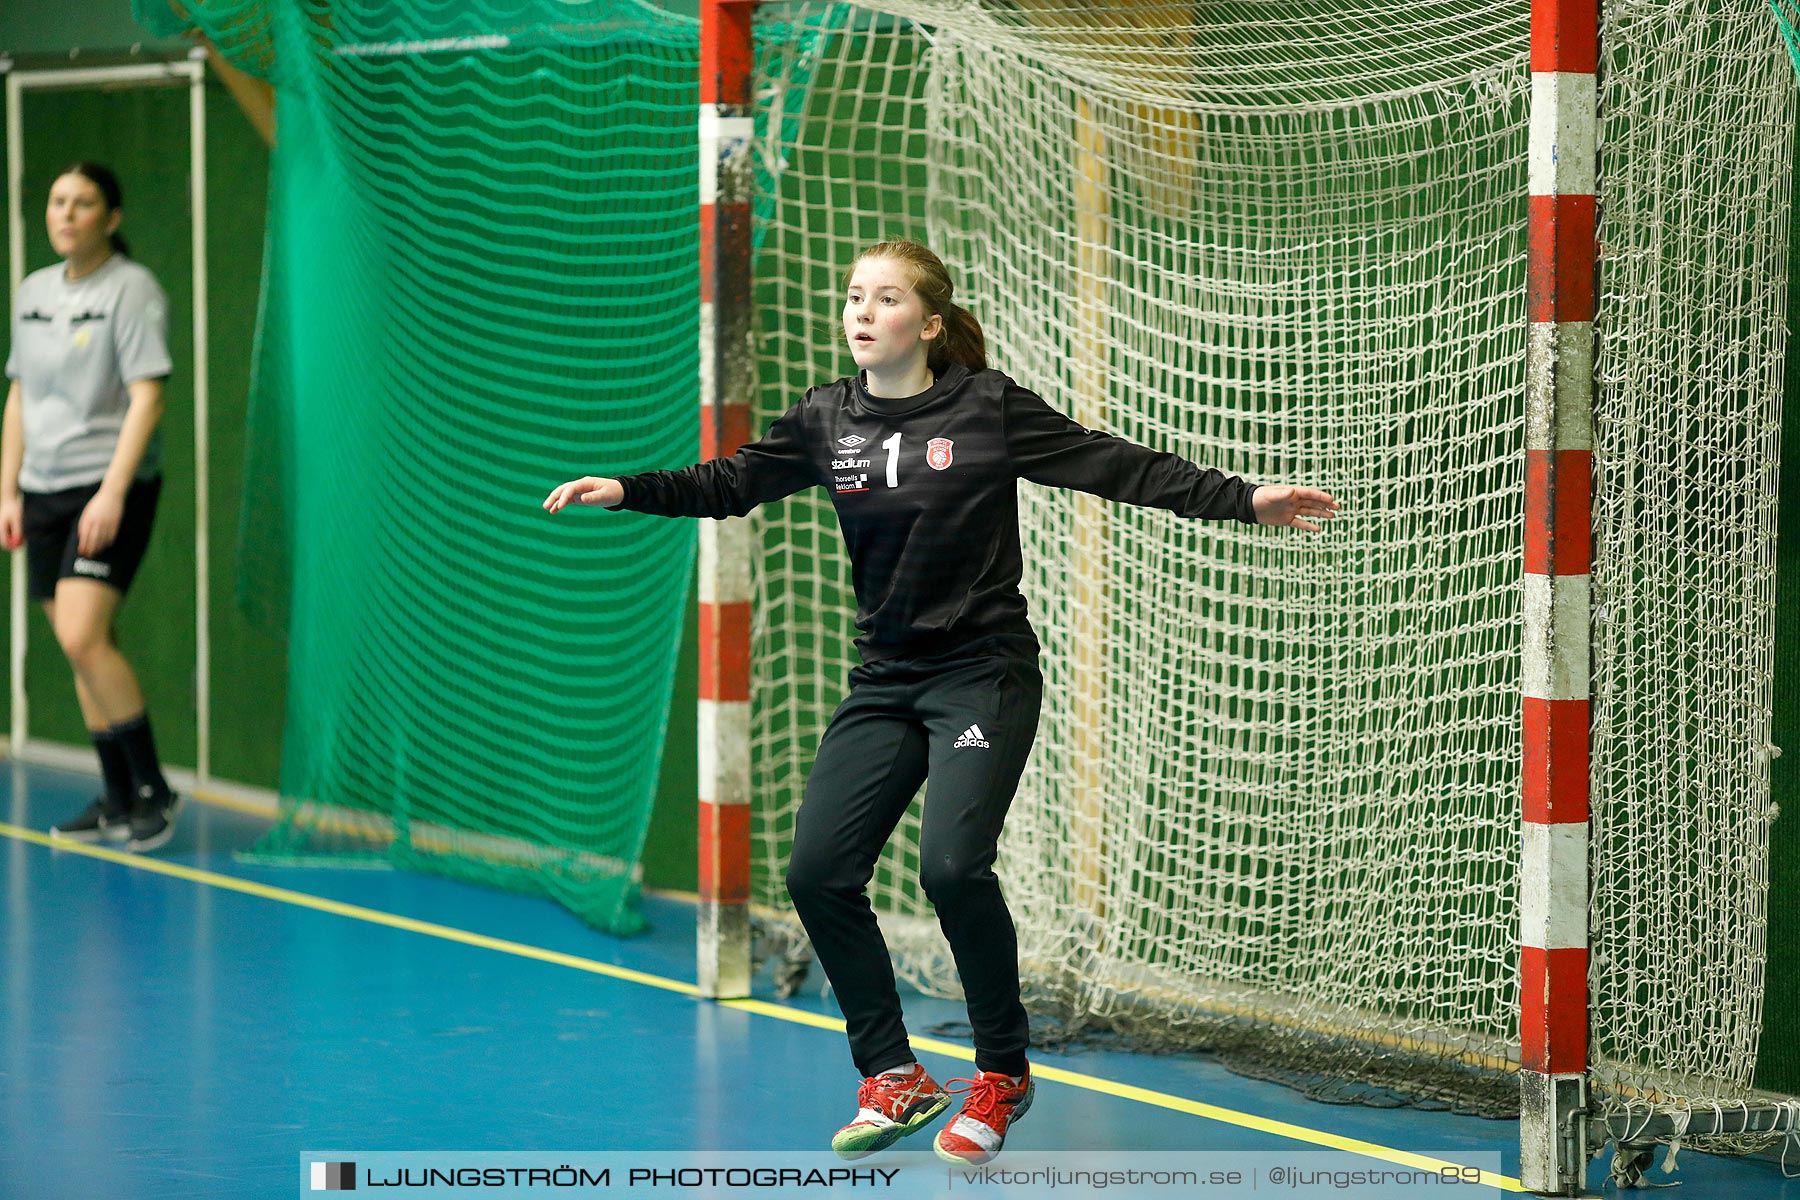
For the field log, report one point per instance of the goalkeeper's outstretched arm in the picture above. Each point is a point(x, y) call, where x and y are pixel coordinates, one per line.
point(778, 464)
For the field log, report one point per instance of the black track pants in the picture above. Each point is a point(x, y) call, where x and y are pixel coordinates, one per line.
point(968, 723)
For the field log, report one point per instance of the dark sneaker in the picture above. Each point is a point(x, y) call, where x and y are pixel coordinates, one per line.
point(888, 1108)
point(96, 823)
point(153, 821)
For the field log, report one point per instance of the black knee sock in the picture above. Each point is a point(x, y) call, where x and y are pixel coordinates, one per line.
point(115, 768)
point(140, 751)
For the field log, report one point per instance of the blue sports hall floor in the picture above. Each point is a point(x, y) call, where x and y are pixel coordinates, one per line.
point(187, 1025)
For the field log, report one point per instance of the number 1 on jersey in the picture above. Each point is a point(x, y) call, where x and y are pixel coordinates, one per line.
point(892, 446)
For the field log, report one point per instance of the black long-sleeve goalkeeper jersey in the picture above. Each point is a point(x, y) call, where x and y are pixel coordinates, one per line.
point(926, 494)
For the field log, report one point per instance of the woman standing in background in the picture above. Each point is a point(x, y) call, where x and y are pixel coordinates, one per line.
point(79, 478)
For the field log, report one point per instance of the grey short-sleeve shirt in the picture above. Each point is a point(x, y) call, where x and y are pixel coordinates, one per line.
point(76, 348)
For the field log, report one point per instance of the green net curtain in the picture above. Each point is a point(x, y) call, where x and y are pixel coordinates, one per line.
point(481, 281)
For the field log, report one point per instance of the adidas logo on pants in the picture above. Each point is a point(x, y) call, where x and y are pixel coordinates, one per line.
point(899, 724)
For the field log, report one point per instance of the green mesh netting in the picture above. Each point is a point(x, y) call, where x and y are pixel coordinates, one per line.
point(1787, 17)
point(481, 281)
point(487, 214)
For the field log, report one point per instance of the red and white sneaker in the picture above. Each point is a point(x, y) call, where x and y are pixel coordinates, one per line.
point(993, 1103)
point(889, 1108)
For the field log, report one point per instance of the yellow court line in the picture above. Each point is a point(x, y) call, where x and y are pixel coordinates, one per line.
point(794, 1016)
point(355, 912)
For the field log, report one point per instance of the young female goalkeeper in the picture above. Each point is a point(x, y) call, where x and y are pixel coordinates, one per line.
point(921, 450)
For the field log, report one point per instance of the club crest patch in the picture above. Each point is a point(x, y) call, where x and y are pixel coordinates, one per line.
point(937, 453)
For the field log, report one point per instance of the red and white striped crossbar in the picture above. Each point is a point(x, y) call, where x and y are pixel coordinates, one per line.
point(727, 377)
point(1559, 472)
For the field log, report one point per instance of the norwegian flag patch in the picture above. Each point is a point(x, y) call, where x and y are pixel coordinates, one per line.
point(937, 453)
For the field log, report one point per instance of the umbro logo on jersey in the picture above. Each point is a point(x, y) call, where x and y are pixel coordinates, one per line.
point(851, 441)
point(972, 736)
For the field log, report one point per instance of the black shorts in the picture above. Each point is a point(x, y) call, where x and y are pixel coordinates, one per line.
point(52, 530)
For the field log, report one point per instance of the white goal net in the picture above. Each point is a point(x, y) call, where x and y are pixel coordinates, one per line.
point(1274, 804)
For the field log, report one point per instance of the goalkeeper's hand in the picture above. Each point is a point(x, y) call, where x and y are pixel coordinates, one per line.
point(589, 490)
point(1285, 504)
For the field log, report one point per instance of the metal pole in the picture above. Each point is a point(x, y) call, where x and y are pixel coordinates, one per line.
point(727, 380)
point(1559, 464)
point(202, 458)
point(15, 222)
